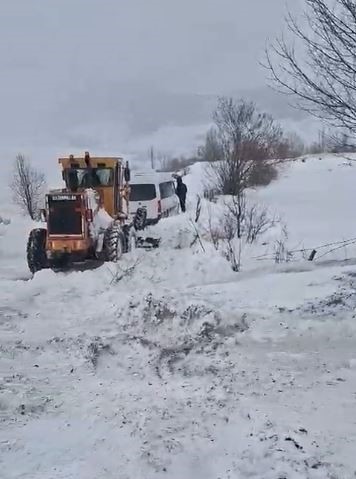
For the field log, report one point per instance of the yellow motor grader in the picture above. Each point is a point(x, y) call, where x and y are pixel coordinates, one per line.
point(89, 219)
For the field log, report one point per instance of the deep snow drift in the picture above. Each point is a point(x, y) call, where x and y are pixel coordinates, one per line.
point(183, 368)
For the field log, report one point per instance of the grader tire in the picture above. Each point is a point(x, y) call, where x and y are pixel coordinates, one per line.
point(139, 220)
point(36, 250)
point(114, 243)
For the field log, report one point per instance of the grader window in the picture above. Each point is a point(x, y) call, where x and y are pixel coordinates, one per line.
point(105, 176)
point(90, 177)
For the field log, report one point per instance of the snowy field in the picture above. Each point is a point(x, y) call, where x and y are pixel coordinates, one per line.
point(184, 369)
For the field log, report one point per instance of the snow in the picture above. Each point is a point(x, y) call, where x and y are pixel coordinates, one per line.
point(183, 368)
point(317, 199)
point(101, 218)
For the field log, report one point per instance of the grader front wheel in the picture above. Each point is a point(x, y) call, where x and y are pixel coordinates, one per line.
point(36, 250)
point(114, 243)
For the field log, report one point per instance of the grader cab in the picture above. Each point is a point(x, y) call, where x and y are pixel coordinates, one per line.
point(89, 219)
point(108, 176)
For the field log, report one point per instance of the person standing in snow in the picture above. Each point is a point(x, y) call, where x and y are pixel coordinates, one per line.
point(181, 192)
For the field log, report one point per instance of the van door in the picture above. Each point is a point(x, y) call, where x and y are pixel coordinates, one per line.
point(169, 199)
point(145, 195)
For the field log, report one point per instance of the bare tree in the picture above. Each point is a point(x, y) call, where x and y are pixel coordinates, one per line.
point(319, 67)
point(28, 185)
point(294, 144)
point(164, 162)
point(247, 139)
point(170, 164)
point(211, 150)
point(340, 142)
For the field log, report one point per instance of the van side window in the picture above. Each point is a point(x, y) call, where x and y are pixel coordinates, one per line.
point(166, 189)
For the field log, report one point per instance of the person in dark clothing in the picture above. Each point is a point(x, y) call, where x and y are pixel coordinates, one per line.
point(181, 192)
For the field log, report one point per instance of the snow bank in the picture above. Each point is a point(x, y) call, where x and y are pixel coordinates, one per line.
point(169, 364)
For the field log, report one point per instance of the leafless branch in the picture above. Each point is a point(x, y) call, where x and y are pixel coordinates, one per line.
point(322, 75)
point(257, 222)
point(121, 273)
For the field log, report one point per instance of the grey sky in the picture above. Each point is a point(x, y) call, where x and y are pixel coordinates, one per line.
point(71, 69)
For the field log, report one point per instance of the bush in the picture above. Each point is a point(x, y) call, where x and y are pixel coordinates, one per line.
point(262, 174)
point(176, 164)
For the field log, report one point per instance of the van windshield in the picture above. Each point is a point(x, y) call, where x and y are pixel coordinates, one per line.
point(142, 192)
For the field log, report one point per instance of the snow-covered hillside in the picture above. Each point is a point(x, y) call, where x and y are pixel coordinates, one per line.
point(183, 368)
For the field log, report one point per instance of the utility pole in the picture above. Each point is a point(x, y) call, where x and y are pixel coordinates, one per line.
point(152, 158)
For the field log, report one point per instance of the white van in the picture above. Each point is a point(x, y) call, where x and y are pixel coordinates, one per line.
point(156, 192)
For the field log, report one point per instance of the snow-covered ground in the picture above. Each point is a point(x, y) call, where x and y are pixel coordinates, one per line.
point(183, 368)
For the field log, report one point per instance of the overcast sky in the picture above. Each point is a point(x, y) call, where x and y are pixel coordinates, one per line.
point(74, 69)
